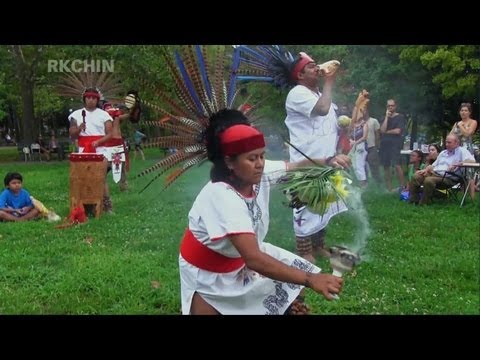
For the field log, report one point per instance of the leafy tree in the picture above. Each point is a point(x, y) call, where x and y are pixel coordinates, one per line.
point(3, 95)
point(455, 71)
point(428, 82)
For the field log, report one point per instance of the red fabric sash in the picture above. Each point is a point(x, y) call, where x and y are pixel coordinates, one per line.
point(86, 142)
point(199, 255)
point(113, 142)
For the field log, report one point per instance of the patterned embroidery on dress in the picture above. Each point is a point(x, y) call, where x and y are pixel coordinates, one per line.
point(302, 265)
point(246, 275)
point(274, 302)
point(254, 209)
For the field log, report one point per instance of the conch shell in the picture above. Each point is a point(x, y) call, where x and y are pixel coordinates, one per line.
point(329, 68)
point(130, 101)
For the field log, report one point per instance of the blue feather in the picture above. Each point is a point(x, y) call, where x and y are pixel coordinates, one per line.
point(233, 76)
point(252, 52)
point(254, 78)
point(188, 83)
point(272, 62)
point(203, 71)
point(254, 63)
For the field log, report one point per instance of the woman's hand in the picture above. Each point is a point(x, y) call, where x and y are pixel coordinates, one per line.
point(325, 284)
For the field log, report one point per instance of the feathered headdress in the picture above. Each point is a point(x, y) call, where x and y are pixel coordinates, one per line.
point(74, 85)
point(108, 86)
point(269, 63)
point(202, 88)
point(275, 64)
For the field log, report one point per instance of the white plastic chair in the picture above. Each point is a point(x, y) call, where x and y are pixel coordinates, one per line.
point(26, 153)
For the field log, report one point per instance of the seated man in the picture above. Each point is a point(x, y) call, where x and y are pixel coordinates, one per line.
point(43, 147)
point(15, 202)
point(434, 174)
point(53, 145)
point(9, 140)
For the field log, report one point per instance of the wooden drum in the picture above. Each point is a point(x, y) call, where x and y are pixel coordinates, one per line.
point(87, 177)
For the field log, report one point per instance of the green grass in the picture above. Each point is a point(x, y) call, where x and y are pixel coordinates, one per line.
point(421, 260)
point(9, 153)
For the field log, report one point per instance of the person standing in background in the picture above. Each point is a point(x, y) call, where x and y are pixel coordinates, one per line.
point(466, 127)
point(392, 130)
point(138, 137)
point(373, 145)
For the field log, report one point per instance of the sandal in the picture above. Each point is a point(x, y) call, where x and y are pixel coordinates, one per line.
point(298, 307)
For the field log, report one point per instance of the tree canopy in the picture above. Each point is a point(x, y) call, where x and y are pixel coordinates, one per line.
point(428, 81)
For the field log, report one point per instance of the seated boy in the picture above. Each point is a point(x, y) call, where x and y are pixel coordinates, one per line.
point(415, 163)
point(15, 202)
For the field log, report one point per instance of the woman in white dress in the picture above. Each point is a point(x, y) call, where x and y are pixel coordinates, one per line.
point(225, 267)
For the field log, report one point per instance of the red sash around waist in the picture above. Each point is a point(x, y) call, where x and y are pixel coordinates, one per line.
point(201, 256)
point(86, 142)
point(114, 142)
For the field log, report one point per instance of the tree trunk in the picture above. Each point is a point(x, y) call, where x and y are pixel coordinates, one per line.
point(26, 75)
point(12, 122)
point(28, 115)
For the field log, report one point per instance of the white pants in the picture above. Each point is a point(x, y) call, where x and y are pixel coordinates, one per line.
point(358, 154)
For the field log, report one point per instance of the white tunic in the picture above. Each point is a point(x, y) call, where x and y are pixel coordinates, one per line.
point(316, 136)
point(94, 125)
point(219, 210)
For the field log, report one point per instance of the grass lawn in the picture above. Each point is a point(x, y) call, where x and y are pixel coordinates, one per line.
point(420, 260)
point(9, 153)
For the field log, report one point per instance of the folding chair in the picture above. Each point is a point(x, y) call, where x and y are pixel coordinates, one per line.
point(451, 190)
point(472, 176)
point(36, 150)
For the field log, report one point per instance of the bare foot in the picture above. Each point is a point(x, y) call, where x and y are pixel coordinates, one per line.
point(298, 307)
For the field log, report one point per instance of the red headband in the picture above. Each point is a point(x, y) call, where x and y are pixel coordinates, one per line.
point(240, 139)
point(304, 60)
point(91, 94)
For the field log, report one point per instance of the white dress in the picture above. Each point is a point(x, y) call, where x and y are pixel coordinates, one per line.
point(219, 210)
point(317, 137)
